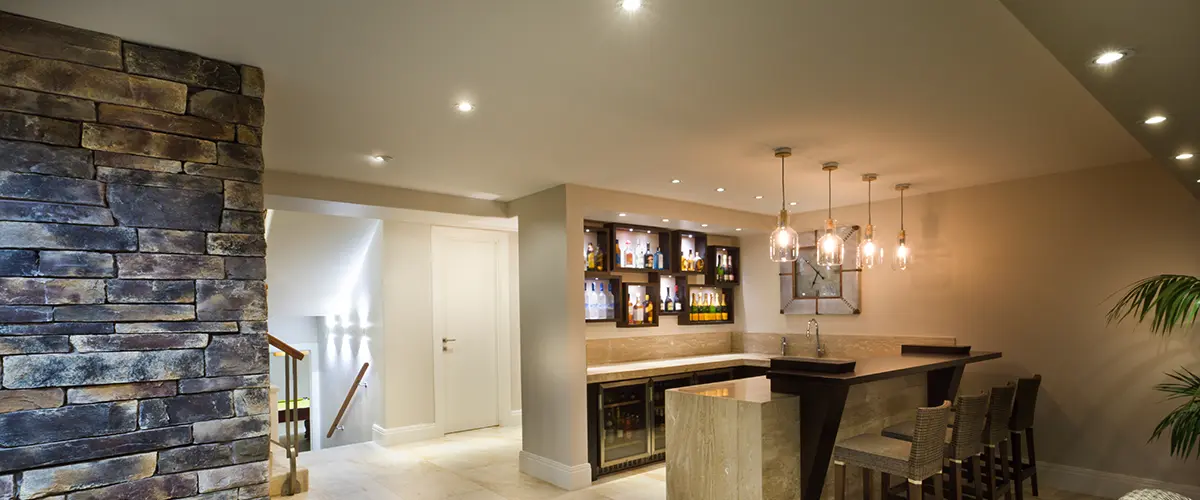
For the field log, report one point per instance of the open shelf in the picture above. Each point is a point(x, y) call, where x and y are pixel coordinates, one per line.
point(643, 312)
point(707, 305)
point(726, 266)
point(600, 284)
point(597, 247)
point(670, 291)
point(690, 252)
point(641, 249)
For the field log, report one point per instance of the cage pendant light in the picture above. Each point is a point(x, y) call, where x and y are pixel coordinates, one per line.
point(830, 247)
point(785, 243)
point(903, 256)
point(870, 253)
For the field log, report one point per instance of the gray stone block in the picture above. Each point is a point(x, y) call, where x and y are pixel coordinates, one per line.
point(32, 36)
point(231, 429)
point(120, 392)
point(181, 66)
point(50, 188)
point(157, 179)
point(30, 399)
point(166, 266)
point(99, 368)
point(255, 492)
point(45, 159)
point(252, 245)
point(216, 495)
point(251, 136)
point(230, 300)
point(122, 160)
point(7, 490)
point(143, 206)
point(243, 196)
point(168, 241)
point(239, 156)
point(233, 221)
point(147, 143)
point(233, 476)
point(178, 327)
point(186, 409)
point(137, 342)
point(33, 345)
point(245, 268)
point(195, 385)
point(45, 455)
point(251, 450)
point(25, 314)
point(57, 329)
point(96, 84)
point(75, 477)
point(32, 211)
point(159, 121)
point(34, 128)
point(76, 264)
point(151, 488)
point(48, 291)
point(17, 262)
point(68, 422)
point(253, 83)
point(219, 172)
point(57, 106)
point(125, 312)
point(252, 327)
point(250, 402)
point(225, 107)
point(67, 237)
point(151, 291)
point(234, 355)
point(201, 456)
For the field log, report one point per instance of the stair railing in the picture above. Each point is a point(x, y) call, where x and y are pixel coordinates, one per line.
point(349, 396)
point(291, 401)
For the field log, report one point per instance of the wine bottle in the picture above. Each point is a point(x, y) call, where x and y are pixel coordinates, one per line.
point(693, 307)
point(591, 257)
point(609, 432)
point(678, 306)
point(724, 309)
point(668, 305)
point(720, 267)
point(620, 424)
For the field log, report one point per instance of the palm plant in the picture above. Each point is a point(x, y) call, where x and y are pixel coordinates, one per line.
point(1172, 301)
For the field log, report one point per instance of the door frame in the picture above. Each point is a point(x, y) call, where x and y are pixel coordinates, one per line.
point(441, 235)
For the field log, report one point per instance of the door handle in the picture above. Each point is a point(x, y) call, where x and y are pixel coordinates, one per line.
point(446, 343)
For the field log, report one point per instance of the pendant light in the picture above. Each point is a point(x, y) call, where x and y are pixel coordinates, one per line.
point(785, 243)
point(830, 247)
point(870, 253)
point(902, 257)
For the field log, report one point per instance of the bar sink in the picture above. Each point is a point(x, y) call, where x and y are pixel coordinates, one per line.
point(808, 364)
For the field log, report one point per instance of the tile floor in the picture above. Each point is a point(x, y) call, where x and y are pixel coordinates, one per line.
point(476, 465)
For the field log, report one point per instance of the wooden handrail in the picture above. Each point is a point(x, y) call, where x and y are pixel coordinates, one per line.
point(283, 346)
point(349, 396)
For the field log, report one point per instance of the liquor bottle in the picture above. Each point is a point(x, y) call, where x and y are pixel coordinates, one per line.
point(668, 305)
point(658, 258)
point(640, 258)
point(618, 255)
point(687, 261)
point(628, 254)
point(630, 311)
point(649, 257)
point(649, 309)
point(698, 264)
point(639, 310)
point(610, 304)
point(591, 257)
point(683, 262)
point(589, 302)
point(678, 306)
point(599, 259)
point(724, 309)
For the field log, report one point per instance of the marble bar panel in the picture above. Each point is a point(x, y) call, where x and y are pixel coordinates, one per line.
point(836, 346)
point(648, 347)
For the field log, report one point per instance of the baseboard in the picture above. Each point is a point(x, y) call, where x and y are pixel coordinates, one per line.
point(1103, 484)
point(512, 420)
point(567, 477)
point(401, 435)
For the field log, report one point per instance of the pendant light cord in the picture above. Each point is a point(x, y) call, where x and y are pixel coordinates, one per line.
point(782, 185)
point(868, 203)
point(829, 184)
point(902, 210)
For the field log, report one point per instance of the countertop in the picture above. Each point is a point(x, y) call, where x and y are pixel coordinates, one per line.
point(751, 390)
point(659, 367)
point(879, 368)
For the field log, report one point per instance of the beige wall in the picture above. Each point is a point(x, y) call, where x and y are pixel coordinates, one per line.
point(1026, 267)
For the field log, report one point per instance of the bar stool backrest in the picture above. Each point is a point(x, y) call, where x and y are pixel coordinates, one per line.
point(929, 441)
point(1027, 391)
point(1000, 405)
point(969, 421)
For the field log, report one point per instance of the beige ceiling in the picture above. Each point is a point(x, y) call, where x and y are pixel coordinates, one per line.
point(940, 93)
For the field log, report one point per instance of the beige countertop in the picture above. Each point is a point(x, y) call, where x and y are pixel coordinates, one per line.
point(750, 390)
point(659, 367)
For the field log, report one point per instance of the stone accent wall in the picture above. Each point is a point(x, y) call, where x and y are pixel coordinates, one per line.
point(133, 354)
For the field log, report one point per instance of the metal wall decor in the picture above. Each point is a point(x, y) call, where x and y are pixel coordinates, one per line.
point(806, 287)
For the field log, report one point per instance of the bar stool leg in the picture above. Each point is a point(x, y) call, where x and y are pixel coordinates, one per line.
point(1004, 479)
point(885, 484)
point(915, 490)
point(956, 470)
point(1032, 460)
point(1017, 464)
point(978, 476)
point(938, 487)
point(839, 480)
point(866, 479)
point(990, 465)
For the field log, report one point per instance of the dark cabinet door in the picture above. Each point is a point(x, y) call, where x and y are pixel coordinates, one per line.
point(658, 408)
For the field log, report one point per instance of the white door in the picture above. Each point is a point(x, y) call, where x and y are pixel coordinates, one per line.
point(470, 267)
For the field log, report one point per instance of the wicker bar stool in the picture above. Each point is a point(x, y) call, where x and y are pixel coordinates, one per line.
point(915, 460)
point(962, 438)
point(1021, 425)
point(995, 437)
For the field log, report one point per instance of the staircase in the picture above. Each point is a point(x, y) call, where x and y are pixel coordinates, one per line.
point(287, 478)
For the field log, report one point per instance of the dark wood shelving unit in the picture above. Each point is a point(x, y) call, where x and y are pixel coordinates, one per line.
point(688, 244)
point(643, 289)
point(598, 235)
point(668, 282)
point(612, 283)
point(719, 254)
point(685, 317)
point(634, 237)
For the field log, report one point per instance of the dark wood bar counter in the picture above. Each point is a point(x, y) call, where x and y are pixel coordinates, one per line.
point(823, 394)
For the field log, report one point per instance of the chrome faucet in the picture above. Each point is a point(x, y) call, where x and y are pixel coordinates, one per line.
point(808, 333)
point(783, 345)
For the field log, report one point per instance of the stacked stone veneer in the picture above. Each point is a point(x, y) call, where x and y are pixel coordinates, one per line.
point(133, 354)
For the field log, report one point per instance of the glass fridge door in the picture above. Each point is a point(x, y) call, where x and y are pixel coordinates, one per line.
point(623, 412)
point(659, 407)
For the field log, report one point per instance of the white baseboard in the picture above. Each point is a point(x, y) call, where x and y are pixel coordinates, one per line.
point(401, 435)
point(1103, 484)
point(567, 477)
point(512, 420)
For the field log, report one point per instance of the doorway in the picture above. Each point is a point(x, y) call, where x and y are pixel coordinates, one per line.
point(470, 327)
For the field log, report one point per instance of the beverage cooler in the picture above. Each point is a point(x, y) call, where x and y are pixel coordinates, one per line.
point(624, 424)
point(658, 409)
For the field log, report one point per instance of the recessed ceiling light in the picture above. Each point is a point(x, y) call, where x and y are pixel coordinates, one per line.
point(380, 159)
point(622, 214)
point(631, 5)
point(1110, 57)
point(1154, 120)
point(1184, 156)
point(675, 181)
point(720, 190)
point(465, 106)
point(703, 225)
point(666, 220)
point(759, 197)
point(737, 229)
point(792, 203)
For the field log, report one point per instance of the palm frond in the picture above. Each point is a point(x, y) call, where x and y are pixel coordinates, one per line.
point(1171, 300)
point(1183, 422)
